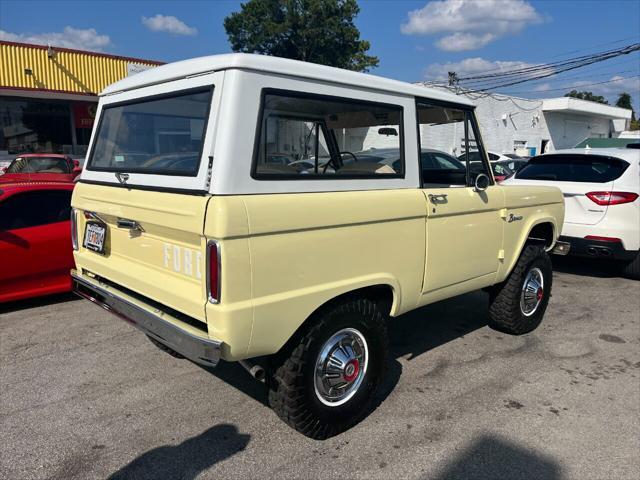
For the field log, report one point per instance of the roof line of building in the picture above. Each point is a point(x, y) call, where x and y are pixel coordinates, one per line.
point(47, 90)
point(84, 52)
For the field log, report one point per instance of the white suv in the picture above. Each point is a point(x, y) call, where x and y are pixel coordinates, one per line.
point(601, 189)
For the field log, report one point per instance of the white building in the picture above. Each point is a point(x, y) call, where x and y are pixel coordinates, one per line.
point(530, 127)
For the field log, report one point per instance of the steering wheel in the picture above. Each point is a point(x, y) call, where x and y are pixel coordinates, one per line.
point(355, 159)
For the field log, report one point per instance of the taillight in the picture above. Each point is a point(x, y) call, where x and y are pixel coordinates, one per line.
point(598, 238)
point(612, 198)
point(74, 228)
point(213, 271)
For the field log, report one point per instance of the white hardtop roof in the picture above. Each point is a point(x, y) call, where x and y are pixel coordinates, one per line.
point(628, 154)
point(281, 66)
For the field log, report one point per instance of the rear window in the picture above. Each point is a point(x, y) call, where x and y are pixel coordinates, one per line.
point(156, 136)
point(573, 168)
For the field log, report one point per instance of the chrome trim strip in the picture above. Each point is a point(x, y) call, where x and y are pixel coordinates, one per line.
point(197, 349)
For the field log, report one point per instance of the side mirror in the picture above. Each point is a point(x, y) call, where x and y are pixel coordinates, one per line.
point(482, 183)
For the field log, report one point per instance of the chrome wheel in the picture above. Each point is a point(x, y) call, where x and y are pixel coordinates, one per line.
point(340, 367)
point(532, 292)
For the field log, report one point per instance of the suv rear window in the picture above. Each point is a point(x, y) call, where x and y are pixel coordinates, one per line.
point(156, 136)
point(573, 168)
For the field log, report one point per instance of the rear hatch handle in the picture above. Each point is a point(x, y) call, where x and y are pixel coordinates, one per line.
point(134, 227)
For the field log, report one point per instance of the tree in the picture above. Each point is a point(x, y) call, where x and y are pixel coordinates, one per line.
point(587, 96)
point(317, 31)
point(624, 101)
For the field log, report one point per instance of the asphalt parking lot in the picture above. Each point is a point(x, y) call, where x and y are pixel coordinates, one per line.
point(86, 396)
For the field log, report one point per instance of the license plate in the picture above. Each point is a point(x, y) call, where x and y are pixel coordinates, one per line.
point(94, 236)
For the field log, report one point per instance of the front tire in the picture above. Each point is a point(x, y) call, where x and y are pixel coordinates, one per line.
point(324, 383)
point(518, 304)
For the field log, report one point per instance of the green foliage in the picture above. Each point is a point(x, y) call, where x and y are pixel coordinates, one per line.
point(624, 101)
point(317, 31)
point(587, 96)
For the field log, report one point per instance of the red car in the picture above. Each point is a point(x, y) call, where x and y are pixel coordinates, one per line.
point(35, 239)
point(47, 167)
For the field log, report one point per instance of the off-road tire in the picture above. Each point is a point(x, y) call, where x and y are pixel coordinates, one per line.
point(290, 377)
point(164, 348)
point(505, 313)
point(632, 269)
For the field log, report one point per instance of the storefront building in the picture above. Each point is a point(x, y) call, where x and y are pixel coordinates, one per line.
point(48, 96)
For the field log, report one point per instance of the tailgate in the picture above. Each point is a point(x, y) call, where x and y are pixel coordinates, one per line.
point(164, 260)
point(578, 207)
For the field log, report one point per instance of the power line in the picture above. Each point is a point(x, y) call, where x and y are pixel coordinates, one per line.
point(600, 56)
point(482, 72)
point(579, 86)
point(501, 82)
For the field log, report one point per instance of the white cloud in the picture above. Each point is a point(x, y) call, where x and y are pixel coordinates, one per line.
point(459, 42)
point(169, 24)
point(78, 38)
point(470, 66)
point(471, 23)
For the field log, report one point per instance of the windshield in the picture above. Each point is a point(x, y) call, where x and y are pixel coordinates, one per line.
point(573, 168)
point(39, 165)
point(154, 136)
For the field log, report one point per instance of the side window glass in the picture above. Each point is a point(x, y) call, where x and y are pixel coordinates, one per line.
point(305, 136)
point(32, 209)
point(440, 130)
point(476, 163)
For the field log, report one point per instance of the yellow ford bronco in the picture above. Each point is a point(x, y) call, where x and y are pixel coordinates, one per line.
point(279, 213)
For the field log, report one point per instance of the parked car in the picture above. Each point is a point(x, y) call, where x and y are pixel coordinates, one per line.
point(35, 239)
point(295, 274)
point(47, 167)
point(501, 171)
point(475, 156)
point(601, 189)
point(513, 165)
point(4, 163)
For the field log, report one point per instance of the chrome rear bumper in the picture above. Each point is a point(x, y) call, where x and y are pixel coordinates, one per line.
point(199, 349)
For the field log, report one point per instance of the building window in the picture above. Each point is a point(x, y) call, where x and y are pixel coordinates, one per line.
point(34, 125)
point(519, 145)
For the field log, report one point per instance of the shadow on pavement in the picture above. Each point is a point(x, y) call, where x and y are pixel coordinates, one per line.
point(188, 459)
point(491, 457)
point(426, 328)
point(37, 302)
point(589, 267)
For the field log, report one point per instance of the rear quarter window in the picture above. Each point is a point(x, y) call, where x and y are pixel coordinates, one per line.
point(573, 168)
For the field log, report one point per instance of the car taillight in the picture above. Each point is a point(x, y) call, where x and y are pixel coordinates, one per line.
point(74, 228)
point(612, 198)
point(213, 271)
point(598, 238)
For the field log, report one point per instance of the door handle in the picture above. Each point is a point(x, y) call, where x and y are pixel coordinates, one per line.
point(129, 224)
point(438, 197)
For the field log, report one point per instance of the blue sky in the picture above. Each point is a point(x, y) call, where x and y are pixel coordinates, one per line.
point(415, 40)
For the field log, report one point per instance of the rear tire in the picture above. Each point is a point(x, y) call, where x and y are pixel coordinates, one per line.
point(632, 269)
point(518, 304)
point(302, 378)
